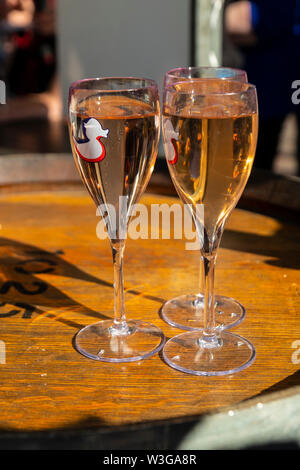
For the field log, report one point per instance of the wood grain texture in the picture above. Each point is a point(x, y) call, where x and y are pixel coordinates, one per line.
point(56, 276)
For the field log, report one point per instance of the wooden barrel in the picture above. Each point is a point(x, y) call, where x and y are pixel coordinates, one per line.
point(56, 277)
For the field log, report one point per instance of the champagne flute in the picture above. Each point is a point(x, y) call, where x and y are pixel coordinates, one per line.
point(114, 132)
point(187, 311)
point(216, 122)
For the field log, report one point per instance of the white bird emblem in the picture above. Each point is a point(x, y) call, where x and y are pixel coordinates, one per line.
point(90, 148)
point(171, 138)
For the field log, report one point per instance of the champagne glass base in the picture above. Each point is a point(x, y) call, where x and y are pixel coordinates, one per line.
point(185, 353)
point(133, 341)
point(187, 311)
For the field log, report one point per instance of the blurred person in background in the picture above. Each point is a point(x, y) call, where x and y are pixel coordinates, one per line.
point(29, 65)
point(267, 33)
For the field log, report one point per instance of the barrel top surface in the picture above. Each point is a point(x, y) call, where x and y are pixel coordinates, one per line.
point(57, 276)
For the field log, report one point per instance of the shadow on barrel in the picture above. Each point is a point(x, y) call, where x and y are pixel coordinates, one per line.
point(23, 292)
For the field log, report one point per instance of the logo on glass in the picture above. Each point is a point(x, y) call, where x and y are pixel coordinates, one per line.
point(90, 148)
point(171, 142)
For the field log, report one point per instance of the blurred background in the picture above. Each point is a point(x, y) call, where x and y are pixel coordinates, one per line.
point(47, 44)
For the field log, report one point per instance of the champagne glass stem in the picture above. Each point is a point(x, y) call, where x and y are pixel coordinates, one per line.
point(201, 283)
point(203, 258)
point(209, 338)
point(208, 281)
point(119, 300)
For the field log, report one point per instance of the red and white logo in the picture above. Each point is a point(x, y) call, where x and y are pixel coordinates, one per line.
point(171, 139)
point(90, 148)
